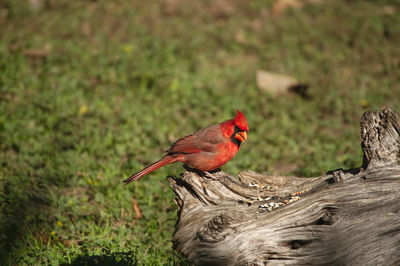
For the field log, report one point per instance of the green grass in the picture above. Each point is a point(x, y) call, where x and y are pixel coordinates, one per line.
point(121, 80)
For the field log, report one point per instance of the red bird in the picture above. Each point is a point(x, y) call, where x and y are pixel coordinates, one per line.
point(205, 150)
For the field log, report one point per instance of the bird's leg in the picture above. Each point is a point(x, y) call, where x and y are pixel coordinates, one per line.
point(190, 169)
point(215, 171)
point(205, 174)
point(215, 174)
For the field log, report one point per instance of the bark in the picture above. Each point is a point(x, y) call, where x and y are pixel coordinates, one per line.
point(346, 217)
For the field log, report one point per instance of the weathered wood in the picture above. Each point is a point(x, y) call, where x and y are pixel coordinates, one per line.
point(346, 217)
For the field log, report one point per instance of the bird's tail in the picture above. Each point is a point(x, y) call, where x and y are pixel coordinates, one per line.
point(164, 160)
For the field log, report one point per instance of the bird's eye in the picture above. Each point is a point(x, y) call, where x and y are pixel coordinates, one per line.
point(238, 129)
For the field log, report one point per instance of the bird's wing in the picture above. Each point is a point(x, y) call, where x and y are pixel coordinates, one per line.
point(206, 140)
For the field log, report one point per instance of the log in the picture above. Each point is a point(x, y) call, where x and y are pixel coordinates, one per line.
point(346, 217)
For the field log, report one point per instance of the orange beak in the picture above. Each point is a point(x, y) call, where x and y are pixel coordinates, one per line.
point(241, 136)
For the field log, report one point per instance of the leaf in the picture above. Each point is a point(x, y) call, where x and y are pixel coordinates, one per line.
point(137, 210)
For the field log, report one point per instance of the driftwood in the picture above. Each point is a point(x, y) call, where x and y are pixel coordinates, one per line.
point(346, 217)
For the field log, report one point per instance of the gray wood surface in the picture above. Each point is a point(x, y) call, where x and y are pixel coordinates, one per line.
point(346, 217)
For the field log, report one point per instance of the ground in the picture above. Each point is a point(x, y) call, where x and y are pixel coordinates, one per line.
point(93, 91)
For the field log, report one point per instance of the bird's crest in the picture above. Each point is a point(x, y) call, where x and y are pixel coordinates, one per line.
point(241, 121)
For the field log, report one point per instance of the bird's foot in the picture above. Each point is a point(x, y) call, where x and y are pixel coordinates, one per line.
point(212, 175)
point(190, 169)
point(215, 171)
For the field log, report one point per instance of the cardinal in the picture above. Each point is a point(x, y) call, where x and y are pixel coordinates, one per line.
point(206, 150)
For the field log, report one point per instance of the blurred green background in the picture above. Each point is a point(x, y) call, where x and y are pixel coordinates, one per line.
point(92, 91)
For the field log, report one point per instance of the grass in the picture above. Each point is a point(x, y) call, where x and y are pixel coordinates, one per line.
point(92, 91)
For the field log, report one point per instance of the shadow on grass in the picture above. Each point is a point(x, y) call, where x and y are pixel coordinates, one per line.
point(119, 259)
point(23, 204)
